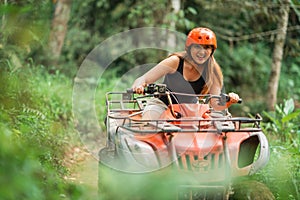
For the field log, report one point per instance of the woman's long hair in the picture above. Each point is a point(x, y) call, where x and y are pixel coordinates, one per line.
point(214, 75)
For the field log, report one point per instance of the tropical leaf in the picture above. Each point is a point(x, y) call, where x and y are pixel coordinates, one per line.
point(289, 106)
point(290, 116)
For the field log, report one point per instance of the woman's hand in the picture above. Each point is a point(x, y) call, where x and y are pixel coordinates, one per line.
point(139, 85)
point(234, 98)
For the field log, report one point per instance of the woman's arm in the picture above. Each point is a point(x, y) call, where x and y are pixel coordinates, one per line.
point(166, 66)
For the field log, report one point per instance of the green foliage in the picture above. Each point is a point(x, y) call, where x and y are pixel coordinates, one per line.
point(282, 174)
point(243, 58)
point(284, 123)
point(246, 74)
point(23, 29)
point(35, 118)
point(289, 83)
point(23, 176)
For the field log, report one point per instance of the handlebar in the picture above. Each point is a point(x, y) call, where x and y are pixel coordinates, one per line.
point(157, 90)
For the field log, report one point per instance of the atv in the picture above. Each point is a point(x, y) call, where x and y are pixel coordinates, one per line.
point(190, 152)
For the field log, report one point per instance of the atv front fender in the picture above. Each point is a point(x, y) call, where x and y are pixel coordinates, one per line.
point(243, 149)
point(264, 154)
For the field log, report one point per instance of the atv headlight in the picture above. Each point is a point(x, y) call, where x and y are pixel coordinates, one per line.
point(143, 153)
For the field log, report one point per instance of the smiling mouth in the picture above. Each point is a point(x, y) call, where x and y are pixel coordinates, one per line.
point(200, 56)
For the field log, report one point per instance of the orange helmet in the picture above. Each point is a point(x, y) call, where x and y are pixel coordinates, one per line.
point(203, 36)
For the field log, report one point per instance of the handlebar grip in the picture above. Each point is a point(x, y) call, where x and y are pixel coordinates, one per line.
point(228, 99)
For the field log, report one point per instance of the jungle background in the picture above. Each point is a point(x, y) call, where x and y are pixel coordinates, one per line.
point(43, 43)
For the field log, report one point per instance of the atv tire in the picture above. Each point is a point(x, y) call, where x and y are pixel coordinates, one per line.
point(251, 190)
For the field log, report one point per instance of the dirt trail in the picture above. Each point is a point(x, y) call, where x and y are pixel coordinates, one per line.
point(84, 171)
point(87, 175)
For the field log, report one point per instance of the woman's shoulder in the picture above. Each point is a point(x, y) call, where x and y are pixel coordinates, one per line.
point(170, 63)
point(180, 55)
point(173, 58)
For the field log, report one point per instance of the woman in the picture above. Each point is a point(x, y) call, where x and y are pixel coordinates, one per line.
point(193, 71)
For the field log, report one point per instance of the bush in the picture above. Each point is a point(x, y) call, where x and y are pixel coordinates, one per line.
point(284, 123)
point(22, 174)
point(282, 174)
point(35, 119)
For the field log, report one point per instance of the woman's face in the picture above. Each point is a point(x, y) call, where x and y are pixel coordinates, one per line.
point(200, 53)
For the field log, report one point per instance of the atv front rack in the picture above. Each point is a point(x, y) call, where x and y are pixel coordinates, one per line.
point(219, 125)
point(125, 109)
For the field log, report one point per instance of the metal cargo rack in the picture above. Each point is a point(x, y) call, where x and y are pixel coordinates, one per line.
point(218, 125)
point(125, 108)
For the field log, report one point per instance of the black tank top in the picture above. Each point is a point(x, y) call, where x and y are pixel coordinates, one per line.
point(176, 83)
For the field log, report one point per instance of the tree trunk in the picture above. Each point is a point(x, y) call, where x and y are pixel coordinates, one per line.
point(175, 9)
point(277, 55)
point(59, 28)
